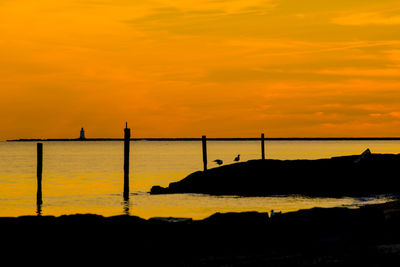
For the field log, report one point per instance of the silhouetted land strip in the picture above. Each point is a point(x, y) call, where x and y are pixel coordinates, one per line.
point(366, 236)
point(220, 139)
point(337, 176)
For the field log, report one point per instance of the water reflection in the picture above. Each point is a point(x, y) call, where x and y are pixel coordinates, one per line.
point(39, 200)
point(86, 177)
point(39, 209)
point(125, 205)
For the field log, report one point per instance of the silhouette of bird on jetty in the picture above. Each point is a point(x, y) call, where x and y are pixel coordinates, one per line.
point(275, 213)
point(237, 158)
point(218, 161)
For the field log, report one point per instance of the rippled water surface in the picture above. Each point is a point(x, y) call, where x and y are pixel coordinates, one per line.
point(87, 177)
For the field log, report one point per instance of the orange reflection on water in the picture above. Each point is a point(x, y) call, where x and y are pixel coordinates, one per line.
point(87, 177)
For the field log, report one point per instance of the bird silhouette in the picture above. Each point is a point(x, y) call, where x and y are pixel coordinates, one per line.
point(218, 161)
point(237, 158)
point(275, 213)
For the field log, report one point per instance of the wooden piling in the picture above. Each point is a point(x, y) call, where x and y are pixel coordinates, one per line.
point(127, 138)
point(262, 147)
point(204, 142)
point(39, 171)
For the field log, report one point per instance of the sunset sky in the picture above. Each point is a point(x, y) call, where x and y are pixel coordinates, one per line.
point(186, 68)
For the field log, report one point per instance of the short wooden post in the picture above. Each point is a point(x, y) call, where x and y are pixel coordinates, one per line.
point(127, 138)
point(204, 142)
point(39, 171)
point(262, 147)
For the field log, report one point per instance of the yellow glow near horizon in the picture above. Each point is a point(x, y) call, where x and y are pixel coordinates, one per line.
point(226, 68)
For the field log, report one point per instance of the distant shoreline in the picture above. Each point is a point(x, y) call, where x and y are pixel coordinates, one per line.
point(219, 139)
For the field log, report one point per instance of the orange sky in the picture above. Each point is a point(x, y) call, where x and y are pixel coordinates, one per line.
point(185, 68)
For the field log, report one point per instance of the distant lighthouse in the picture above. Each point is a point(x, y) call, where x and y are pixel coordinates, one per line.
point(82, 135)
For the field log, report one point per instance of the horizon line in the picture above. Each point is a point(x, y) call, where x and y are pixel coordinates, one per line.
point(210, 138)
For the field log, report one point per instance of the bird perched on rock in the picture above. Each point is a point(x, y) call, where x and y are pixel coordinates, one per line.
point(218, 161)
point(237, 158)
point(275, 213)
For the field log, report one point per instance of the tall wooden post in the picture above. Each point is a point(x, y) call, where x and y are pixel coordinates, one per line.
point(262, 147)
point(204, 142)
point(39, 171)
point(127, 138)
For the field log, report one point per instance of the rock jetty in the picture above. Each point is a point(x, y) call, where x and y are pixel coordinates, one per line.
point(357, 175)
point(366, 236)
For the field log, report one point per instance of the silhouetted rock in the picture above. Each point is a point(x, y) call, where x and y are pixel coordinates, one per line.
point(364, 155)
point(170, 220)
point(338, 176)
point(237, 219)
point(334, 236)
point(158, 190)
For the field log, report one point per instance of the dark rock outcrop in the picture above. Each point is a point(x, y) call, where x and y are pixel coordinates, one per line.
point(337, 176)
point(367, 236)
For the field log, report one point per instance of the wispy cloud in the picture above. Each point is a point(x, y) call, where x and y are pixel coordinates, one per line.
point(366, 19)
point(354, 72)
point(226, 6)
point(179, 67)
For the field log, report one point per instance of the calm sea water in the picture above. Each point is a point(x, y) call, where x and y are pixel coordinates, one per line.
point(87, 177)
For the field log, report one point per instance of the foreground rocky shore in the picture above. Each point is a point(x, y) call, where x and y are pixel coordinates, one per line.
point(356, 175)
point(366, 236)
